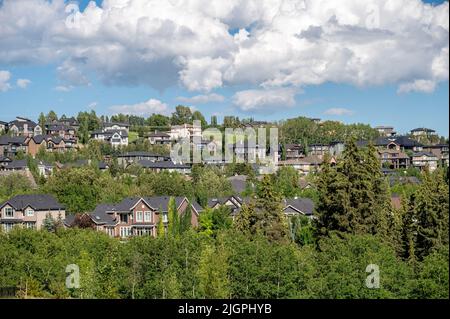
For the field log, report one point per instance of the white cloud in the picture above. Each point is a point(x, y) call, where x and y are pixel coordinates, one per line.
point(92, 105)
point(339, 111)
point(285, 43)
point(142, 109)
point(425, 86)
point(23, 83)
point(264, 100)
point(4, 81)
point(202, 99)
point(63, 88)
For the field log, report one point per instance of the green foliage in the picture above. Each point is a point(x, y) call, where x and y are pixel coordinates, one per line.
point(13, 184)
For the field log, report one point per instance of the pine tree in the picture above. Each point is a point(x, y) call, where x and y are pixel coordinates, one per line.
point(409, 230)
point(431, 208)
point(246, 218)
point(48, 223)
point(270, 220)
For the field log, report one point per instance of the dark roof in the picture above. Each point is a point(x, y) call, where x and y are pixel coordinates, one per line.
point(140, 154)
point(423, 129)
point(400, 140)
point(299, 205)
point(19, 124)
point(159, 134)
point(162, 165)
point(18, 140)
point(15, 164)
point(3, 123)
point(116, 123)
point(102, 213)
point(4, 159)
point(238, 183)
point(424, 153)
point(37, 202)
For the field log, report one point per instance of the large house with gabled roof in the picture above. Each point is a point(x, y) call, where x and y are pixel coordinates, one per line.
point(30, 211)
point(137, 216)
point(22, 126)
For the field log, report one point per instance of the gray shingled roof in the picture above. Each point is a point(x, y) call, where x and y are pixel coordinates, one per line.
point(36, 201)
point(303, 205)
point(162, 165)
point(18, 140)
point(15, 164)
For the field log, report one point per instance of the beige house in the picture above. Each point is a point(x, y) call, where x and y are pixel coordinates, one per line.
point(29, 211)
point(185, 131)
point(423, 159)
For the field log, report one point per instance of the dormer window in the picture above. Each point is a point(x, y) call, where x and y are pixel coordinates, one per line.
point(9, 212)
point(29, 212)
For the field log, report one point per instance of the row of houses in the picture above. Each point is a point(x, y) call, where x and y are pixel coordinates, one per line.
point(133, 216)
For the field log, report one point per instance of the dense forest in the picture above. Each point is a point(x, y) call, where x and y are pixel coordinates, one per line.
point(260, 254)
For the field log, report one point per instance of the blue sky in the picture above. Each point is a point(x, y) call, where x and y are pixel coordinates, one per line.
point(377, 102)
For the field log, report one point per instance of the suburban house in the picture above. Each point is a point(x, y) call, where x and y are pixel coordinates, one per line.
point(159, 138)
point(14, 165)
point(30, 211)
point(11, 145)
point(61, 130)
point(304, 166)
point(134, 157)
point(394, 158)
point(45, 169)
point(402, 143)
point(49, 143)
point(422, 159)
point(168, 166)
point(137, 216)
point(115, 138)
point(319, 149)
point(386, 131)
point(441, 152)
point(293, 151)
point(422, 132)
point(3, 127)
point(24, 127)
point(185, 131)
point(115, 126)
point(71, 122)
point(249, 152)
point(336, 148)
point(291, 207)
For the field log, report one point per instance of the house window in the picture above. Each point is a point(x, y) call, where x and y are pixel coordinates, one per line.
point(8, 227)
point(125, 232)
point(29, 213)
point(110, 231)
point(30, 225)
point(139, 217)
point(148, 217)
point(9, 212)
point(164, 217)
point(124, 218)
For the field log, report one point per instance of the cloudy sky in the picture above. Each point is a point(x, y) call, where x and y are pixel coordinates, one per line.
point(383, 62)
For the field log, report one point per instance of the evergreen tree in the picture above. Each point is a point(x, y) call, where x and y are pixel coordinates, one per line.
point(161, 226)
point(431, 207)
point(49, 223)
point(246, 219)
point(42, 120)
point(409, 230)
point(270, 220)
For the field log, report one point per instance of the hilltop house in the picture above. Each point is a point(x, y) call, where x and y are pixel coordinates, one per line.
point(291, 207)
point(49, 143)
point(115, 138)
point(137, 216)
point(441, 151)
point(185, 131)
point(422, 159)
point(304, 166)
point(165, 166)
point(134, 157)
point(61, 130)
point(159, 138)
point(394, 158)
point(11, 145)
point(249, 152)
point(24, 127)
point(386, 131)
point(115, 126)
point(14, 165)
point(293, 151)
point(422, 132)
point(29, 211)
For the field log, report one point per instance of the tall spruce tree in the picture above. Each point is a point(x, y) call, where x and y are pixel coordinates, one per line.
point(270, 220)
point(431, 209)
